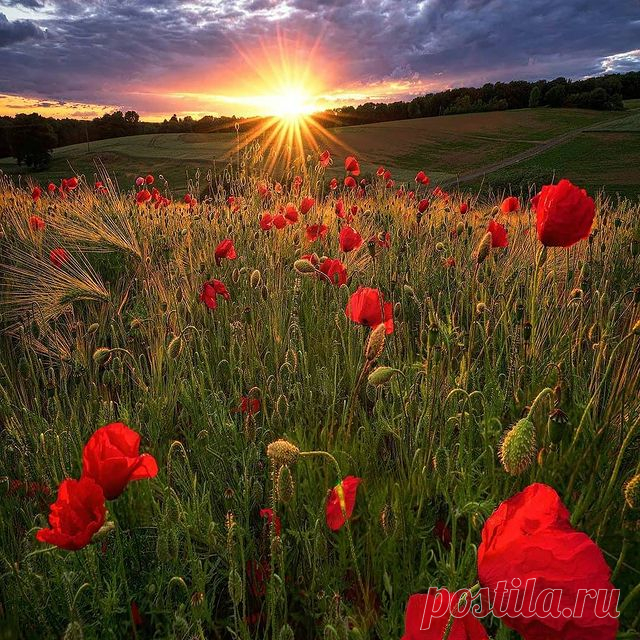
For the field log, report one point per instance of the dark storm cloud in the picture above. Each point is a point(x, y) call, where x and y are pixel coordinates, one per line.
point(101, 51)
point(12, 33)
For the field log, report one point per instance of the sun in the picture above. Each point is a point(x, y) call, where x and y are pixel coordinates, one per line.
point(291, 103)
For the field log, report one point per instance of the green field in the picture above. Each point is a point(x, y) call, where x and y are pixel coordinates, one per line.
point(445, 147)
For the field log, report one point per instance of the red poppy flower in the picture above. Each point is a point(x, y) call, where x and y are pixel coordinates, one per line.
point(211, 290)
point(498, 234)
point(464, 207)
point(315, 231)
point(350, 239)
point(449, 262)
point(428, 614)
point(390, 184)
point(335, 271)
point(111, 458)
point(249, 406)
point(149, 179)
point(564, 214)
point(333, 184)
point(76, 515)
point(311, 257)
point(367, 307)
point(510, 205)
point(58, 257)
point(187, 198)
point(350, 182)
point(382, 240)
point(36, 193)
point(442, 532)
point(422, 178)
point(139, 181)
point(291, 213)
point(528, 544)
point(340, 208)
point(225, 250)
point(380, 172)
point(143, 196)
point(325, 159)
point(51, 187)
point(266, 221)
point(341, 501)
point(297, 183)
point(263, 190)
point(272, 518)
point(36, 223)
point(277, 187)
point(423, 205)
point(279, 221)
point(352, 166)
point(306, 205)
point(71, 184)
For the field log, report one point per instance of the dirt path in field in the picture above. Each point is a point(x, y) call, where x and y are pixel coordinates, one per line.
point(530, 153)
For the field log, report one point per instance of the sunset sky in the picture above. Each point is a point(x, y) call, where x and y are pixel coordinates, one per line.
point(81, 59)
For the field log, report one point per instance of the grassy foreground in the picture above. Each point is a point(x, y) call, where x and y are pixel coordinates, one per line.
point(190, 555)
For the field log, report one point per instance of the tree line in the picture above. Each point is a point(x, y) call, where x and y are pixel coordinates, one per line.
point(30, 138)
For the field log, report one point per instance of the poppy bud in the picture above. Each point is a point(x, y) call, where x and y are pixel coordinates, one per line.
point(484, 248)
point(518, 447)
point(93, 328)
point(526, 331)
point(440, 247)
point(381, 375)
point(557, 425)
point(388, 520)
point(102, 356)
point(282, 453)
point(256, 278)
point(481, 307)
point(285, 487)
point(375, 343)
point(460, 228)
point(433, 334)
point(235, 276)
point(175, 347)
point(441, 462)
point(304, 267)
point(632, 492)
point(519, 311)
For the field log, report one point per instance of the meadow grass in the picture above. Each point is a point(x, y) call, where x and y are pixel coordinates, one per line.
point(474, 345)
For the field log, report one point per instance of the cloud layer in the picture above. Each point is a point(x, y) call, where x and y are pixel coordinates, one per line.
point(161, 56)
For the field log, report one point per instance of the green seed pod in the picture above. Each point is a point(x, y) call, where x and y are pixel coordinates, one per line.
point(557, 426)
point(484, 248)
point(632, 492)
point(441, 462)
point(93, 328)
point(381, 375)
point(460, 228)
point(174, 349)
point(285, 486)
point(304, 267)
point(518, 447)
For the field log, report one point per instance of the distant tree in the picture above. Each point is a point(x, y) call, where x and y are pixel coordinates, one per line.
point(32, 140)
point(555, 95)
point(534, 97)
point(131, 117)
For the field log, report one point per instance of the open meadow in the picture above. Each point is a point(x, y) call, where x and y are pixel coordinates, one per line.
point(605, 157)
point(341, 389)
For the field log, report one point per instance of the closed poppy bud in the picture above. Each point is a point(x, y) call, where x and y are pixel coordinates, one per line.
point(484, 248)
point(381, 375)
point(341, 502)
point(111, 458)
point(304, 267)
point(518, 447)
point(375, 343)
point(76, 515)
point(632, 492)
point(101, 356)
point(175, 347)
